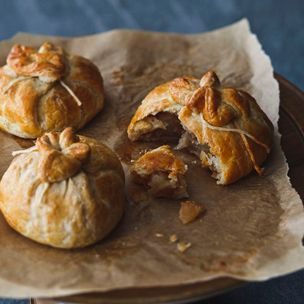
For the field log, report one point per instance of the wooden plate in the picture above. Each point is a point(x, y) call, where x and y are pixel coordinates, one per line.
point(291, 125)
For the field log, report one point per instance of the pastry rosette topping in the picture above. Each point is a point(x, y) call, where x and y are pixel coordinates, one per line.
point(62, 155)
point(46, 63)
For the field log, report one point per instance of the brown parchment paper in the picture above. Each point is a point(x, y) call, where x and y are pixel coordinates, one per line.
point(252, 230)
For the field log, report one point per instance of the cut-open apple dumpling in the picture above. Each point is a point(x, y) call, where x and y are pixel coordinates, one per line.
point(224, 127)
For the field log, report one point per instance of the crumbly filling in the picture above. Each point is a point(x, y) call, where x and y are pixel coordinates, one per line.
point(162, 172)
point(165, 128)
point(161, 185)
point(189, 142)
point(170, 129)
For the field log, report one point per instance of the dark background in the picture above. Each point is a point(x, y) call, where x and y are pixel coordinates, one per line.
point(279, 26)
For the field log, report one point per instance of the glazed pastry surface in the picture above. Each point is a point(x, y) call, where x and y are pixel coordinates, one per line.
point(47, 89)
point(67, 191)
point(224, 127)
point(162, 172)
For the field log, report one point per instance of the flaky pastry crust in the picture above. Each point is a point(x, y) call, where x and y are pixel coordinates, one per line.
point(67, 191)
point(224, 126)
point(47, 89)
point(162, 172)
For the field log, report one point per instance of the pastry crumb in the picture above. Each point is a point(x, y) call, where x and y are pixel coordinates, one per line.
point(183, 246)
point(159, 235)
point(189, 211)
point(173, 238)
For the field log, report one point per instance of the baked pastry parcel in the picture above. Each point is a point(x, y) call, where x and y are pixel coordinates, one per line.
point(224, 127)
point(67, 191)
point(47, 89)
point(162, 172)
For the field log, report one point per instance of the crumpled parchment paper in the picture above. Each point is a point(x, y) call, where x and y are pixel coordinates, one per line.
point(252, 230)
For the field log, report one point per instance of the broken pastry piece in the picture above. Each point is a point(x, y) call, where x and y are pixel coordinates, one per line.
point(67, 191)
point(190, 211)
point(162, 172)
point(224, 127)
point(47, 89)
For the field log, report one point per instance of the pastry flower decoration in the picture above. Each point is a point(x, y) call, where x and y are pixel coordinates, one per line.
point(62, 155)
point(47, 63)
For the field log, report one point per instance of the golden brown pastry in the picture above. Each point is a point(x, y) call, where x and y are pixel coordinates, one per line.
point(47, 90)
point(190, 211)
point(224, 127)
point(162, 172)
point(67, 191)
